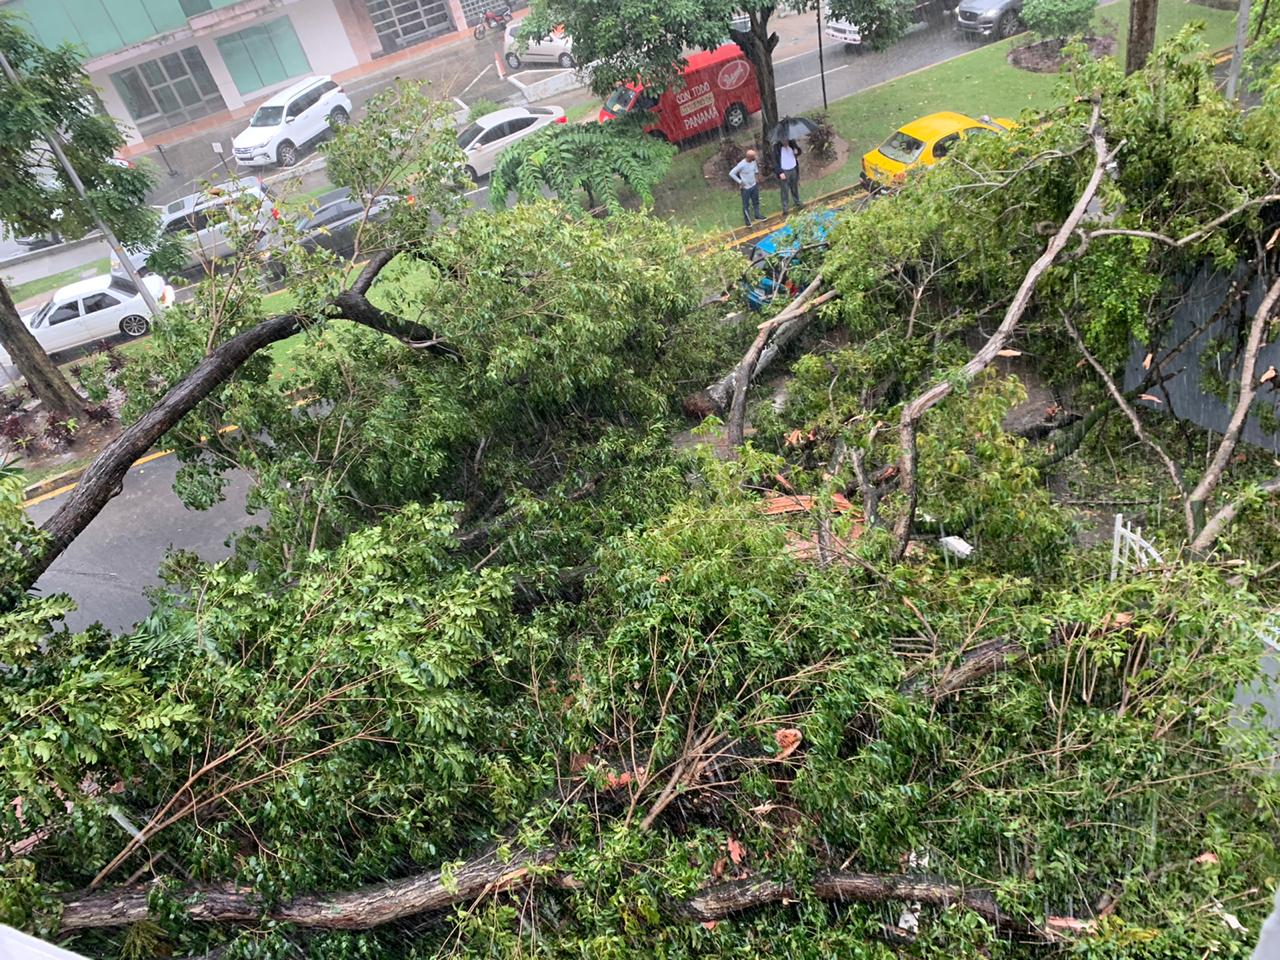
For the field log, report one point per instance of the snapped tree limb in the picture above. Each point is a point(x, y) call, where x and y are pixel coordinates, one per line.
point(1204, 533)
point(916, 409)
point(104, 478)
point(367, 907)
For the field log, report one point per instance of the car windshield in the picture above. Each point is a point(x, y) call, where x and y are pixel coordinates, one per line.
point(267, 117)
point(620, 100)
point(123, 285)
point(38, 317)
point(902, 147)
point(468, 135)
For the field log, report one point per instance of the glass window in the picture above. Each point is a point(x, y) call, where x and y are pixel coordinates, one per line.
point(68, 311)
point(123, 286)
point(620, 100)
point(943, 146)
point(469, 134)
point(515, 126)
point(495, 134)
point(99, 301)
point(902, 147)
point(173, 89)
point(193, 7)
point(263, 55)
point(267, 117)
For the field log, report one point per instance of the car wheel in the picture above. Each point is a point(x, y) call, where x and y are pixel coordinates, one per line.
point(470, 171)
point(1007, 25)
point(286, 154)
point(339, 117)
point(659, 135)
point(513, 60)
point(567, 61)
point(735, 118)
point(134, 325)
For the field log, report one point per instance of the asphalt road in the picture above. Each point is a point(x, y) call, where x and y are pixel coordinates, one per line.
point(110, 566)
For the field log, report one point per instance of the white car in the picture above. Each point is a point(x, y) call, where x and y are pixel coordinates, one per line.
point(290, 120)
point(201, 222)
point(92, 310)
point(557, 49)
point(841, 31)
point(488, 136)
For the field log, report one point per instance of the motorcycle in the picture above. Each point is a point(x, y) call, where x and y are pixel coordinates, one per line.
point(493, 20)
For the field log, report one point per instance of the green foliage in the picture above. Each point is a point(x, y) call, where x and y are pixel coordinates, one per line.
point(573, 160)
point(882, 23)
point(490, 606)
point(1058, 19)
point(56, 93)
point(482, 107)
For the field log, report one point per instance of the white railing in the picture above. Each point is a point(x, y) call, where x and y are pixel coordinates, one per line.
point(1130, 550)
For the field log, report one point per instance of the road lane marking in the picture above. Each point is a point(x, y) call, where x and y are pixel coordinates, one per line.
point(816, 76)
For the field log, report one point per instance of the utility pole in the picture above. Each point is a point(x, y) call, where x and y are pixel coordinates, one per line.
point(822, 67)
point(54, 139)
point(1237, 53)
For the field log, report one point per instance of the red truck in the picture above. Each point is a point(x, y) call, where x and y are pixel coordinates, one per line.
point(716, 89)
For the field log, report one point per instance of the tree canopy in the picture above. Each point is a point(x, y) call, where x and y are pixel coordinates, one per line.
point(514, 664)
point(54, 94)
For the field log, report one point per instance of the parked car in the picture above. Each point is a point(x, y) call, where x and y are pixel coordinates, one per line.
point(923, 142)
point(776, 253)
point(554, 49)
point(335, 221)
point(197, 219)
point(290, 120)
point(842, 31)
point(489, 135)
point(989, 18)
point(91, 310)
point(717, 89)
point(850, 34)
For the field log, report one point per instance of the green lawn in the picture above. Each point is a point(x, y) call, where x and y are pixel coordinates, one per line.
point(973, 83)
point(33, 288)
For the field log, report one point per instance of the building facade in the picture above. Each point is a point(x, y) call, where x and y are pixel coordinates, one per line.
point(160, 65)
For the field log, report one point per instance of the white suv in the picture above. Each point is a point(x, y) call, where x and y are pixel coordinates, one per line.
point(291, 119)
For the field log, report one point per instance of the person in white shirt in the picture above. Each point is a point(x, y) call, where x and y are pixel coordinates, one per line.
point(745, 175)
point(786, 160)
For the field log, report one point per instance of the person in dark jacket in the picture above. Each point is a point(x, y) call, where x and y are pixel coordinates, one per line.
point(786, 160)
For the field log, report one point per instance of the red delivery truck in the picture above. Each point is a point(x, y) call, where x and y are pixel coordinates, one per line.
point(717, 88)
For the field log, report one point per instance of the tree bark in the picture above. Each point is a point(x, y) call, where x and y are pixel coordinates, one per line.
point(58, 397)
point(360, 909)
point(1142, 34)
point(757, 45)
point(105, 476)
point(369, 907)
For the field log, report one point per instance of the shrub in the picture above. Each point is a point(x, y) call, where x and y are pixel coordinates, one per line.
point(481, 107)
point(822, 141)
point(1058, 19)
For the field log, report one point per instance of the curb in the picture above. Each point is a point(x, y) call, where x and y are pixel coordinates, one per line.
point(42, 488)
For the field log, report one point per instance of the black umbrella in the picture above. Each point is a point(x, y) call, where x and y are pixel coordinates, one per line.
point(791, 128)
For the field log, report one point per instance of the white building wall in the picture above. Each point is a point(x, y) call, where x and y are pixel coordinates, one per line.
point(316, 22)
point(323, 37)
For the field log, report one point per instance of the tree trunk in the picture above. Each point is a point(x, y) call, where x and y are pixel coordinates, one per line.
point(757, 45)
point(1142, 34)
point(42, 375)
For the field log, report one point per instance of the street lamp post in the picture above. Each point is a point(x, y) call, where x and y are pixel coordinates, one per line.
point(822, 67)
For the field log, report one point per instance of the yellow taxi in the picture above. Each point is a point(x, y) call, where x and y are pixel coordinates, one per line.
point(922, 143)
